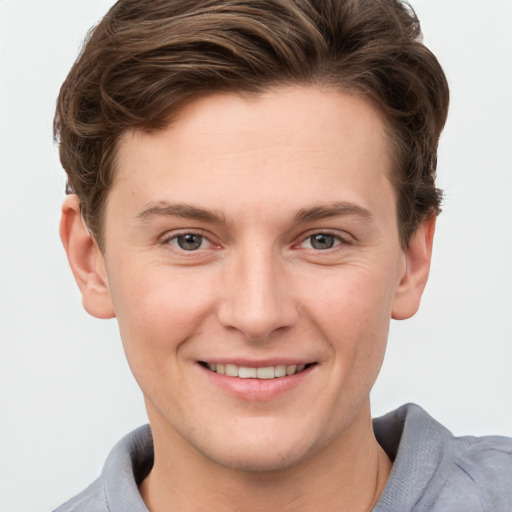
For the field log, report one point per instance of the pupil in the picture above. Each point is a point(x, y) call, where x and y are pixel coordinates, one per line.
point(190, 242)
point(322, 241)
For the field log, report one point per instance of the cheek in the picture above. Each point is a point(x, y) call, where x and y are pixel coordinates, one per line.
point(356, 297)
point(353, 314)
point(158, 310)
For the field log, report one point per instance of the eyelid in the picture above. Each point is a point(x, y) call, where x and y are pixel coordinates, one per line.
point(343, 237)
point(171, 235)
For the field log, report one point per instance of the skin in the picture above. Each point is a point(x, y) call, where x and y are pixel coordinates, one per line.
point(254, 178)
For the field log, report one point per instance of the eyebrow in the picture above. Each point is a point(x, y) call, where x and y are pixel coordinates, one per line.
point(332, 210)
point(186, 211)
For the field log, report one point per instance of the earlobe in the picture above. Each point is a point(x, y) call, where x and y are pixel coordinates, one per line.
point(86, 260)
point(417, 256)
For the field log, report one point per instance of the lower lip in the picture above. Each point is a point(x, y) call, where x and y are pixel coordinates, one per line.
point(257, 389)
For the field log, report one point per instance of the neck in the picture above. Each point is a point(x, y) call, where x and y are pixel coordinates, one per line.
point(347, 475)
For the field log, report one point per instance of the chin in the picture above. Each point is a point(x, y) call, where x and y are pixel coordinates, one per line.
point(257, 459)
point(263, 450)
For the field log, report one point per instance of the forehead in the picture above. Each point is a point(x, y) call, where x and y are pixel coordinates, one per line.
point(298, 143)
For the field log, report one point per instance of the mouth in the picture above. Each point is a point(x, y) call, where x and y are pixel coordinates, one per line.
point(264, 373)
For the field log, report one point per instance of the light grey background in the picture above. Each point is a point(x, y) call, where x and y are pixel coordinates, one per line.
point(66, 394)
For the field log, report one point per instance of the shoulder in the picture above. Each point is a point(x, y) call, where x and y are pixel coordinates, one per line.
point(116, 490)
point(91, 499)
point(434, 470)
point(482, 466)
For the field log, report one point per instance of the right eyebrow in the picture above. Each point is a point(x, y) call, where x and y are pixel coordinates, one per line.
point(186, 211)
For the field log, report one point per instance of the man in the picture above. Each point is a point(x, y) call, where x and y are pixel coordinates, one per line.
point(252, 196)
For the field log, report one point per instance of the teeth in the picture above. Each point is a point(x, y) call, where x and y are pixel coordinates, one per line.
point(290, 370)
point(247, 373)
point(232, 370)
point(266, 372)
point(280, 370)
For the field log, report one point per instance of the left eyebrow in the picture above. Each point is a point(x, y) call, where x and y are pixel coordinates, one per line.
point(332, 210)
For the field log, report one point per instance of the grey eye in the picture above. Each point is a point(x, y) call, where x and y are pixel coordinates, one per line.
point(189, 241)
point(322, 241)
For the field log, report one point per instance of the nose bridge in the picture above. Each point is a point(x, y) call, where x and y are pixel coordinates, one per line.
point(258, 300)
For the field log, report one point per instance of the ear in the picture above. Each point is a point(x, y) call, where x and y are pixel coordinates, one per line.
point(417, 259)
point(86, 260)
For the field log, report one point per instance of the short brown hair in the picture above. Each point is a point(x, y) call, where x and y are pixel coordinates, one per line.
point(148, 58)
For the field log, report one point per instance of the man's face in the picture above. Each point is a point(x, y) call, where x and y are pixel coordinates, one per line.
point(256, 236)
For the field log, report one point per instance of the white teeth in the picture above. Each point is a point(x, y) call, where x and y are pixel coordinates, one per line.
point(290, 370)
point(265, 372)
point(247, 373)
point(231, 370)
point(280, 370)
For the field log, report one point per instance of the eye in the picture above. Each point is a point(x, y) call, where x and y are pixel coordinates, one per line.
point(322, 241)
point(189, 241)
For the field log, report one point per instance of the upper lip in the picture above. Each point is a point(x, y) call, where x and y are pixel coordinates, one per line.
point(251, 363)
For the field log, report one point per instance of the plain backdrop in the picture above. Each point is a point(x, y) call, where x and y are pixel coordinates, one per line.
point(66, 393)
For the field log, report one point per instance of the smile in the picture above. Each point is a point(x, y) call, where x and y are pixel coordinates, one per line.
point(266, 372)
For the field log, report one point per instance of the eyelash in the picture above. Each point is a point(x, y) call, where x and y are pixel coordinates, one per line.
point(173, 240)
point(338, 240)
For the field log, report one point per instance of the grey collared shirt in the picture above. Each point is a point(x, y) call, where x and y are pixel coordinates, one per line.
point(432, 471)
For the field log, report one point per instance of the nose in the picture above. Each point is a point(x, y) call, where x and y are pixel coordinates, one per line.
point(258, 298)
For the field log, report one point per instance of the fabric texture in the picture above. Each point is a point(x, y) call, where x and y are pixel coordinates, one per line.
point(433, 470)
